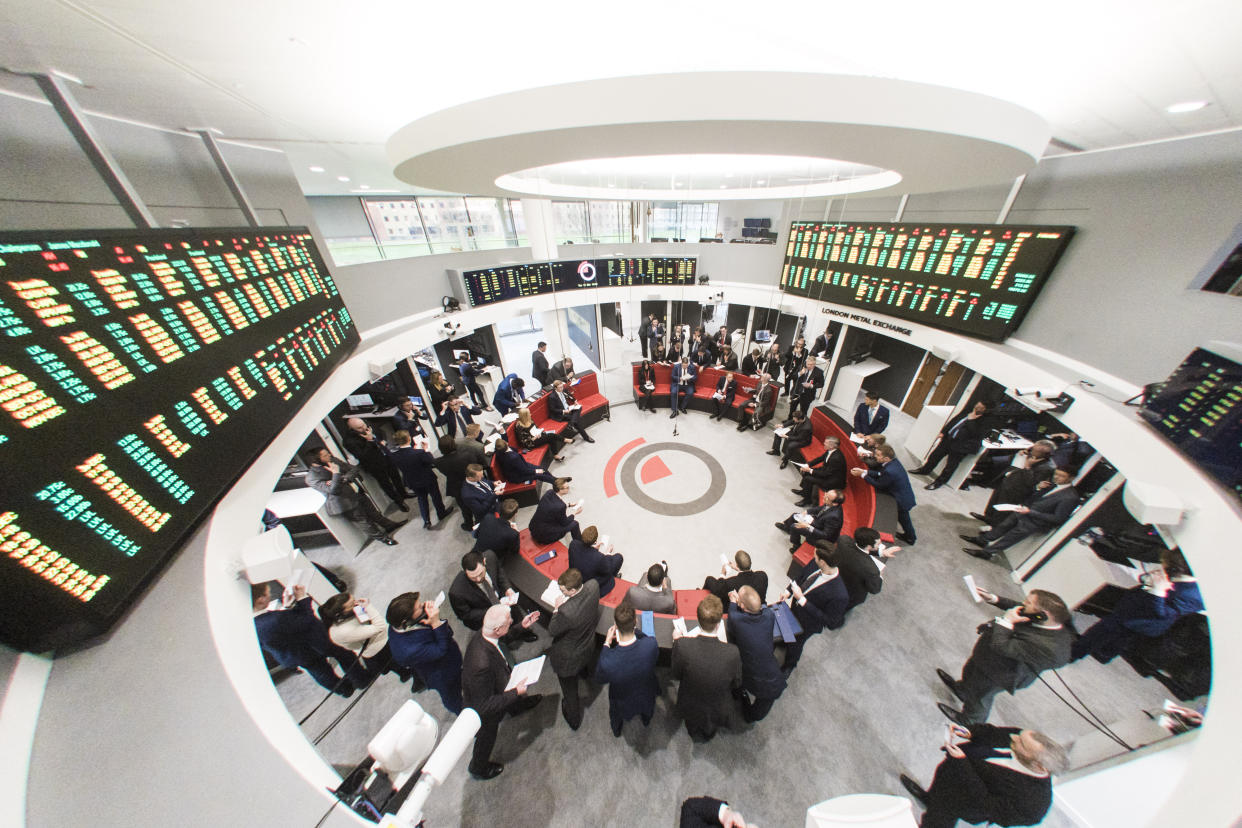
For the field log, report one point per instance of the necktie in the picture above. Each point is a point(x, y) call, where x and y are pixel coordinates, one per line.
point(486, 586)
point(809, 579)
point(953, 431)
point(504, 651)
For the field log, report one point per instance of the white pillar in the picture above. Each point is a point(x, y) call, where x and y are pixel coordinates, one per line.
point(540, 226)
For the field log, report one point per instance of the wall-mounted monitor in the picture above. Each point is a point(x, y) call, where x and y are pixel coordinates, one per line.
point(141, 372)
point(496, 284)
point(973, 279)
point(1199, 410)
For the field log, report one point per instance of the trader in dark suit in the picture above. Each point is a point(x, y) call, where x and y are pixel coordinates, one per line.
point(709, 812)
point(644, 333)
point(469, 372)
point(372, 454)
point(1019, 482)
point(961, 437)
point(750, 627)
point(759, 408)
point(295, 638)
point(871, 417)
point(823, 344)
point(828, 471)
point(417, 467)
point(1010, 653)
point(481, 585)
point(562, 370)
point(539, 364)
point(586, 557)
point(890, 476)
point(497, 533)
point(551, 519)
point(407, 418)
point(573, 639)
point(335, 480)
point(563, 408)
point(478, 494)
point(627, 665)
point(452, 462)
point(1044, 511)
point(742, 575)
point(726, 388)
point(681, 385)
point(655, 338)
point(861, 563)
point(818, 600)
point(423, 642)
point(710, 672)
point(484, 674)
point(457, 417)
point(516, 468)
point(806, 385)
point(825, 525)
point(798, 437)
point(997, 775)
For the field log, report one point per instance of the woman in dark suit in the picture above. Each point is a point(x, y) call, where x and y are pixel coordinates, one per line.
point(524, 430)
point(441, 392)
point(646, 386)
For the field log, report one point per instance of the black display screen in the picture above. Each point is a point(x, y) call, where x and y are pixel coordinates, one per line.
point(496, 284)
point(974, 279)
point(1199, 409)
point(141, 372)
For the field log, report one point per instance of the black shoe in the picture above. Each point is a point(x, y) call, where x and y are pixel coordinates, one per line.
point(950, 682)
point(795, 491)
point(345, 689)
point(974, 539)
point(932, 486)
point(773, 453)
point(426, 524)
point(398, 524)
point(982, 554)
point(448, 512)
point(785, 463)
point(401, 505)
point(914, 789)
point(741, 428)
point(904, 538)
point(491, 771)
point(387, 541)
point(952, 715)
point(978, 516)
point(674, 414)
point(920, 470)
point(588, 438)
point(781, 526)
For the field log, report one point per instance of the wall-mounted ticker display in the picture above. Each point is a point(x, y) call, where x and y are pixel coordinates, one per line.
point(974, 279)
point(496, 284)
point(1199, 409)
point(141, 371)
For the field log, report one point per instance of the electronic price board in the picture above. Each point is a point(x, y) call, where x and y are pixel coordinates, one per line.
point(496, 284)
point(141, 372)
point(1199, 409)
point(974, 279)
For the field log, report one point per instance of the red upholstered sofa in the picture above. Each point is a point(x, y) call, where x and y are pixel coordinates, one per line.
point(704, 387)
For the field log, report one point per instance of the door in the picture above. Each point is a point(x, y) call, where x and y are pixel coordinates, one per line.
point(922, 385)
point(949, 381)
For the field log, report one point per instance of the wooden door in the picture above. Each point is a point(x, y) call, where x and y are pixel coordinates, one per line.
point(949, 381)
point(922, 385)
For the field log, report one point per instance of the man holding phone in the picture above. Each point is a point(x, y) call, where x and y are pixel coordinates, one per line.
point(1011, 652)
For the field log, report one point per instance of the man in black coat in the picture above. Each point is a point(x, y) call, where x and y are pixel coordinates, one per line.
point(586, 556)
point(452, 462)
point(563, 408)
point(997, 775)
point(1050, 506)
point(798, 437)
point(295, 638)
point(417, 468)
point(709, 671)
point(481, 585)
point(960, 437)
point(709, 812)
point(484, 674)
point(516, 468)
point(1019, 482)
point(539, 364)
point(497, 533)
point(818, 600)
point(573, 639)
point(364, 444)
point(551, 519)
point(750, 627)
point(828, 471)
point(478, 494)
point(1010, 653)
point(860, 562)
point(806, 385)
point(825, 525)
point(742, 576)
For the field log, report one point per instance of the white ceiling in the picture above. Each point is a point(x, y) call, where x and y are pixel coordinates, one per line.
point(330, 81)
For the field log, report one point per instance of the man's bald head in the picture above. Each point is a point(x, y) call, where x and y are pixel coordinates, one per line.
point(355, 424)
point(748, 599)
point(496, 621)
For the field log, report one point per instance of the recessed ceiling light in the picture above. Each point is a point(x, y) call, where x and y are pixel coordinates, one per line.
point(1185, 106)
point(723, 186)
point(364, 186)
point(612, 185)
point(342, 178)
point(315, 169)
point(728, 175)
point(761, 181)
point(676, 183)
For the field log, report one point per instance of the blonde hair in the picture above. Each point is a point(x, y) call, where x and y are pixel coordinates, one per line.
point(524, 417)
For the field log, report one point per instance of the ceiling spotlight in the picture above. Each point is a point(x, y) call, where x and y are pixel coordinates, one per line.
point(1185, 106)
point(364, 186)
point(450, 304)
point(315, 169)
point(342, 178)
point(702, 278)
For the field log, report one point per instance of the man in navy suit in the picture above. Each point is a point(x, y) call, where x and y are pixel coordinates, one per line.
point(824, 527)
point(587, 558)
point(457, 414)
point(871, 417)
point(890, 476)
point(562, 407)
point(551, 519)
point(806, 385)
point(961, 436)
point(751, 629)
point(681, 385)
point(477, 493)
point(1047, 509)
point(423, 641)
point(417, 468)
point(295, 638)
point(818, 599)
point(516, 468)
point(627, 665)
point(496, 531)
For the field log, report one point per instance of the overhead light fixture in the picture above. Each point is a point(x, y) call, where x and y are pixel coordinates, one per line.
point(364, 186)
point(761, 181)
point(1185, 106)
point(342, 178)
point(450, 304)
point(723, 186)
point(315, 169)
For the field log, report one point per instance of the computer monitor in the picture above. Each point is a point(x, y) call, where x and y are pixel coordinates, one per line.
point(360, 401)
point(763, 336)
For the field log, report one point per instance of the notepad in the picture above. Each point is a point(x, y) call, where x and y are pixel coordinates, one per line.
point(439, 599)
point(781, 432)
point(974, 590)
point(552, 595)
point(648, 622)
point(1007, 507)
point(679, 625)
point(528, 670)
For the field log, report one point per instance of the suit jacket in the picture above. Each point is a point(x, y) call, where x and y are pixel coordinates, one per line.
point(497, 535)
point(484, 675)
point(978, 790)
point(372, 456)
point(595, 565)
point(515, 467)
point(1151, 615)
point(539, 367)
point(826, 525)
point(858, 571)
point(417, 467)
point(630, 675)
point(480, 498)
point(642, 598)
point(800, 435)
point(701, 812)
point(337, 487)
point(684, 375)
point(822, 345)
point(411, 424)
point(825, 604)
point(463, 416)
point(551, 520)
point(432, 654)
point(794, 362)
point(557, 408)
point(866, 423)
point(709, 671)
point(815, 377)
point(728, 389)
point(453, 467)
point(1013, 658)
point(1050, 508)
point(294, 636)
point(468, 599)
point(655, 335)
point(753, 635)
point(558, 372)
point(646, 375)
point(721, 587)
point(750, 366)
point(828, 471)
point(573, 631)
point(968, 436)
point(892, 478)
point(772, 367)
point(729, 364)
point(507, 398)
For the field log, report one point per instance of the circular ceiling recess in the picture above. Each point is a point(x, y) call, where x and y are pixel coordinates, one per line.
point(719, 136)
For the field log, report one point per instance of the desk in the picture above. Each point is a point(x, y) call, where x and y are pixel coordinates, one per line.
point(297, 502)
point(849, 382)
point(1003, 443)
point(1076, 573)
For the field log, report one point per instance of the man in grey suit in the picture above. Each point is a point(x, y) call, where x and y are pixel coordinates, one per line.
point(1047, 509)
point(655, 592)
point(335, 480)
point(573, 639)
point(710, 671)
